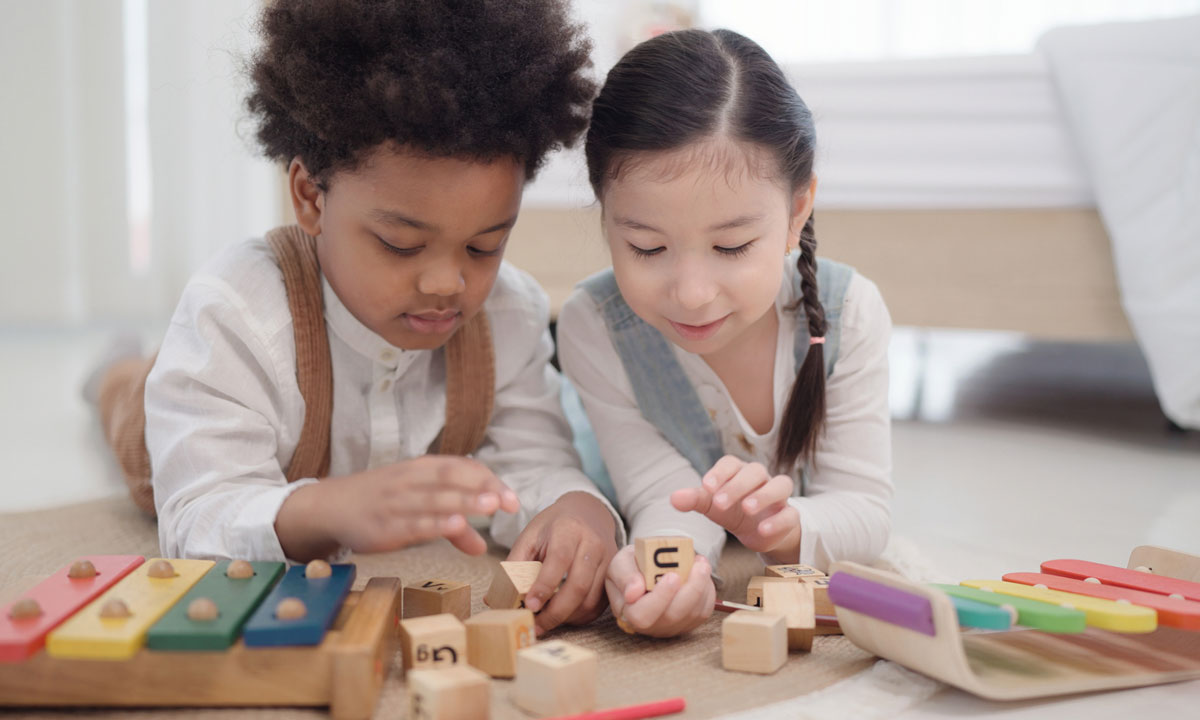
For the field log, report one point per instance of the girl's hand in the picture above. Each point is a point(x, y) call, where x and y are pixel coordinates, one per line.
point(574, 537)
point(672, 608)
point(392, 507)
point(745, 500)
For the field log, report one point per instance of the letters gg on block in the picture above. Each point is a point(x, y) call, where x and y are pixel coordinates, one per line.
point(436, 641)
point(657, 556)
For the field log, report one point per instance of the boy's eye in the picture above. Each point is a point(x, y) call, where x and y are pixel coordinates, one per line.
point(644, 252)
point(734, 251)
point(403, 252)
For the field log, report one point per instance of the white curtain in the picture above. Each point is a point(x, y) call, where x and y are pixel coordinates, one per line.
point(128, 158)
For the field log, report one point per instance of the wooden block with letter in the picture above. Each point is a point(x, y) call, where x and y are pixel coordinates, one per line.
point(754, 641)
point(799, 572)
point(509, 586)
point(657, 556)
point(495, 636)
point(434, 597)
point(794, 601)
point(434, 641)
point(755, 586)
point(556, 678)
point(455, 693)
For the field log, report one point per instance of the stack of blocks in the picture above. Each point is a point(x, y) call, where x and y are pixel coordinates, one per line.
point(788, 595)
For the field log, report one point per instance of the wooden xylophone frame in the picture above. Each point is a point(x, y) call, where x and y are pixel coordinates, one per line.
point(344, 672)
point(1023, 664)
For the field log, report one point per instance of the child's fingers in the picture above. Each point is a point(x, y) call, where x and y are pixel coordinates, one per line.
point(557, 560)
point(695, 499)
point(573, 591)
point(592, 604)
point(644, 614)
point(453, 501)
point(624, 574)
point(745, 481)
point(467, 539)
point(691, 602)
point(775, 490)
point(774, 527)
point(721, 471)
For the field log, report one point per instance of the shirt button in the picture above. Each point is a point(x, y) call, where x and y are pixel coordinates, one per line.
point(385, 385)
point(387, 357)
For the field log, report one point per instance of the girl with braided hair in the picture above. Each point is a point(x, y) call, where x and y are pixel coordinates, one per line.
point(735, 382)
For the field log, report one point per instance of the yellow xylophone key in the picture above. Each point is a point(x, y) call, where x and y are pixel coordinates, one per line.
point(87, 635)
point(1106, 614)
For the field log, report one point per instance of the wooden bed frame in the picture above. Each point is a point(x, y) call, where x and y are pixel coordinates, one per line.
point(1045, 273)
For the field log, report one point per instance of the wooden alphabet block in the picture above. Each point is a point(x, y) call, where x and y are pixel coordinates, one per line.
point(794, 571)
point(509, 586)
point(657, 556)
point(755, 586)
point(753, 641)
point(434, 597)
point(556, 678)
point(495, 636)
point(455, 693)
point(434, 641)
point(794, 601)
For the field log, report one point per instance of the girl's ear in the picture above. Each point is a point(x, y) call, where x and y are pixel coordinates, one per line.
point(307, 199)
point(802, 207)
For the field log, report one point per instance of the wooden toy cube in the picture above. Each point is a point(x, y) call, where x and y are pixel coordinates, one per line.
point(793, 571)
point(556, 678)
point(509, 586)
point(434, 597)
point(794, 601)
point(753, 641)
point(495, 636)
point(657, 556)
point(455, 693)
point(434, 641)
point(755, 586)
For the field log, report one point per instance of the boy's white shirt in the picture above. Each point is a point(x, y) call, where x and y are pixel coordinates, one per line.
point(224, 410)
point(846, 514)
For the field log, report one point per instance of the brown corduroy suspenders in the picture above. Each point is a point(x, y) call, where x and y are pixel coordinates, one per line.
point(470, 380)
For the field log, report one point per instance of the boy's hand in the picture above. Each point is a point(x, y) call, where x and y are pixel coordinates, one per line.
point(392, 507)
point(572, 537)
point(672, 608)
point(744, 499)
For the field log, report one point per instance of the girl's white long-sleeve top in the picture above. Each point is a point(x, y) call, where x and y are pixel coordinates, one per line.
point(846, 513)
point(224, 410)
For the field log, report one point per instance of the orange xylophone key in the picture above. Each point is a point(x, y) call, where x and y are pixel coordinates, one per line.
point(1122, 577)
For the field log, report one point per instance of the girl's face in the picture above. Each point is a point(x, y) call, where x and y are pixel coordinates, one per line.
point(698, 237)
point(412, 244)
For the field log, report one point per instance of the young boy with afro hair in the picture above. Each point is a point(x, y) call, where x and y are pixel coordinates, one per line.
point(410, 385)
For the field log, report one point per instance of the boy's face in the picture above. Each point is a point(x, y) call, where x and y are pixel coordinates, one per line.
point(411, 244)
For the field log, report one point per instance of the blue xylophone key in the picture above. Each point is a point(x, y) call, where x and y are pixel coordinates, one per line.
point(322, 597)
point(972, 613)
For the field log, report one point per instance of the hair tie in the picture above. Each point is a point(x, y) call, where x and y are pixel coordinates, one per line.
point(816, 340)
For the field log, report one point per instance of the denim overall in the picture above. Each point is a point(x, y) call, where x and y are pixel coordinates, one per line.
point(664, 393)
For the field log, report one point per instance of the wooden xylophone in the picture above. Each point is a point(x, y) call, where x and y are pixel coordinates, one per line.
point(120, 631)
point(1087, 626)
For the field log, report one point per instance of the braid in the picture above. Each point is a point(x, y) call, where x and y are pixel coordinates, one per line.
point(804, 415)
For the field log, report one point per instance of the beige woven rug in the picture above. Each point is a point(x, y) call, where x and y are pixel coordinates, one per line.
point(632, 669)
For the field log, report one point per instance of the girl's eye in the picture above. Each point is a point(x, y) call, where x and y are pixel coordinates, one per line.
point(735, 251)
point(477, 252)
point(643, 252)
point(402, 252)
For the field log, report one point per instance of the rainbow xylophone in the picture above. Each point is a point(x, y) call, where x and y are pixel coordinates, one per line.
point(1087, 626)
point(117, 630)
